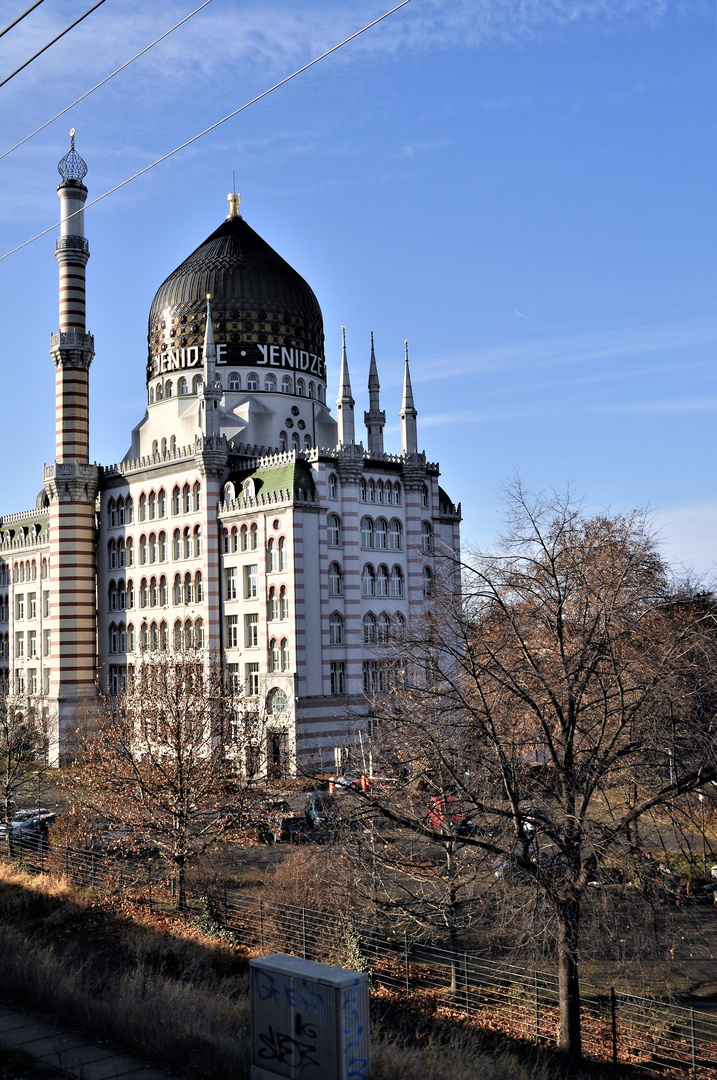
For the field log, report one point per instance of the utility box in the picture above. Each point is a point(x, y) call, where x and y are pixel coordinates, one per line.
point(308, 1021)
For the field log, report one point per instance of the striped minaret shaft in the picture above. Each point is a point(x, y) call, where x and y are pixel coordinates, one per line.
point(71, 482)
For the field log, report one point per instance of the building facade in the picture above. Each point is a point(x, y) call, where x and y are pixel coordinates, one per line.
point(245, 519)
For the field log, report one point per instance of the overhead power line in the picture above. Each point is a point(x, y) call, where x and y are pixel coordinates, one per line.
point(212, 127)
point(103, 81)
point(20, 17)
point(46, 47)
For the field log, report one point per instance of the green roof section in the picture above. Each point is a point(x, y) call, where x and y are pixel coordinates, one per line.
point(21, 524)
point(296, 477)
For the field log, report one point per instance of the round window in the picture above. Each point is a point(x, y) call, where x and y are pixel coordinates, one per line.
point(277, 523)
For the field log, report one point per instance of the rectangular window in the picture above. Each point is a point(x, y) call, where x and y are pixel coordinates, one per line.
point(46, 605)
point(230, 583)
point(338, 677)
point(46, 680)
point(19, 645)
point(251, 631)
point(46, 642)
point(32, 605)
point(251, 683)
point(233, 679)
point(32, 643)
point(32, 680)
point(20, 606)
point(20, 681)
point(232, 625)
point(251, 579)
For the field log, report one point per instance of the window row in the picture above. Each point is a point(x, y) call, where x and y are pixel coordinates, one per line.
point(278, 656)
point(153, 592)
point(26, 605)
point(270, 384)
point(294, 443)
point(26, 571)
point(379, 491)
point(382, 582)
point(26, 644)
point(381, 534)
point(379, 676)
point(244, 539)
point(376, 631)
point(31, 685)
point(155, 636)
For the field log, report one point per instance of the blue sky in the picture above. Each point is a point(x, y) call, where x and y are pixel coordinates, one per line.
point(522, 188)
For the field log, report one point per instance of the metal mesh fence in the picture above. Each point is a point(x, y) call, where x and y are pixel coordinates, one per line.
point(621, 1028)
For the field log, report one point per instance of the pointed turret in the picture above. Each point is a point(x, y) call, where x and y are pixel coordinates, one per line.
point(374, 419)
point(409, 431)
point(211, 391)
point(345, 403)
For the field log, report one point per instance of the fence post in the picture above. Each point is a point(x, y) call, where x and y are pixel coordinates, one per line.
point(261, 923)
point(692, 1041)
point(67, 861)
point(92, 871)
point(149, 884)
point(303, 931)
point(613, 1025)
point(405, 956)
point(465, 983)
point(226, 915)
point(537, 1003)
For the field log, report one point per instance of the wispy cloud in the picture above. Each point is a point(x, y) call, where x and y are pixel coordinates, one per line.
point(688, 536)
point(563, 410)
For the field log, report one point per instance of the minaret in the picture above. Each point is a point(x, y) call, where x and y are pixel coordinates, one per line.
point(345, 403)
point(374, 419)
point(409, 432)
point(211, 393)
point(71, 482)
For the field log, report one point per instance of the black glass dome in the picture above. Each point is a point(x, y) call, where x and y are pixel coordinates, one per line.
point(263, 312)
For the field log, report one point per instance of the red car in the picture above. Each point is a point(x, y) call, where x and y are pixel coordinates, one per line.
point(446, 814)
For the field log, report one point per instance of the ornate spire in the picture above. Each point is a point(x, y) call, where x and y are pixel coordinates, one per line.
point(374, 419)
point(71, 167)
point(211, 392)
point(234, 199)
point(345, 402)
point(409, 431)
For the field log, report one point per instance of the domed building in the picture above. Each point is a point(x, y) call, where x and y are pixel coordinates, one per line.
point(244, 520)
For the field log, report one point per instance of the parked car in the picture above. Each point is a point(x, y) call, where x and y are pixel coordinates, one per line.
point(28, 830)
point(446, 814)
point(319, 809)
point(291, 829)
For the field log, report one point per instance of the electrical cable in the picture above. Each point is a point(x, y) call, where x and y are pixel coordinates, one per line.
point(46, 47)
point(103, 81)
point(212, 127)
point(20, 18)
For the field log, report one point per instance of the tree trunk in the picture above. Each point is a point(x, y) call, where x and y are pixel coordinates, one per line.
point(181, 886)
point(569, 1036)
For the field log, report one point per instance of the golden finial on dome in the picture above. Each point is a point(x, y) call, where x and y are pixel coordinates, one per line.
point(234, 198)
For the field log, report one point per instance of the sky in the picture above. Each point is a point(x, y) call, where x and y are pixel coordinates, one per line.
point(524, 189)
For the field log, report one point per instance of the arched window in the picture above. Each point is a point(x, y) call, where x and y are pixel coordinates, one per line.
point(307, 442)
point(176, 545)
point(143, 595)
point(163, 636)
point(154, 637)
point(272, 557)
point(229, 494)
point(286, 385)
point(379, 491)
point(336, 581)
point(168, 388)
point(182, 386)
point(159, 394)
point(225, 541)
point(424, 497)
point(273, 605)
point(371, 491)
point(151, 395)
point(162, 503)
point(333, 530)
point(269, 383)
point(120, 511)
point(333, 486)
point(152, 506)
point(368, 581)
point(283, 555)
point(254, 535)
point(152, 548)
point(173, 444)
point(380, 535)
point(295, 441)
point(143, 507)
point(144, 636)
point(384, 629)
point(235, 539)
point(153, 593)
point(112, 596)
point(197, 492)
point(143, 550)
point(176, 503)
point(122, 638)
point(187, 543)
point(44, 569)
point(129, 545)
point(186, 498)
point(113, 638)
point(155, 444)
point(163, 597)
point(300, 388)
point(188, 594)
point(130, 637)
point(427, 581)
point(369, 629)
point(382, 581)
point(426, 538)
point(284, 654)
point(336, 629)
point(234, 381)
point(362, 490)
point(244, 538)
point(130, 594)
point(197, 384)
point(320, 392)
point(283, 603)
point(397, 493)
point(366, 532)
point(163, 547)
point(252, 382)
point(197, 539)
point(397, 581)
point(274, 658)
point(112, 513)
point(121, 596)
point(111, 554)
point(395, 535)
point(177, 635)
point(177, 589)
point(198, 587)
point(199, 633)
point(311, 388)
point(283, 439)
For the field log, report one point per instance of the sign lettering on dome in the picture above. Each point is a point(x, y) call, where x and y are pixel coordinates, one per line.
point(243, 356)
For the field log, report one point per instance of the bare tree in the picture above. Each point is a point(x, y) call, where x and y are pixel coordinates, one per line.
point(561, 696)
point(169, 760)
point(22, 753)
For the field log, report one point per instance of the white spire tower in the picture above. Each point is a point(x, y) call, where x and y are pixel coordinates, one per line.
point(345, 403)
point(409, 431)
point(374, 419)
point(211, 393)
